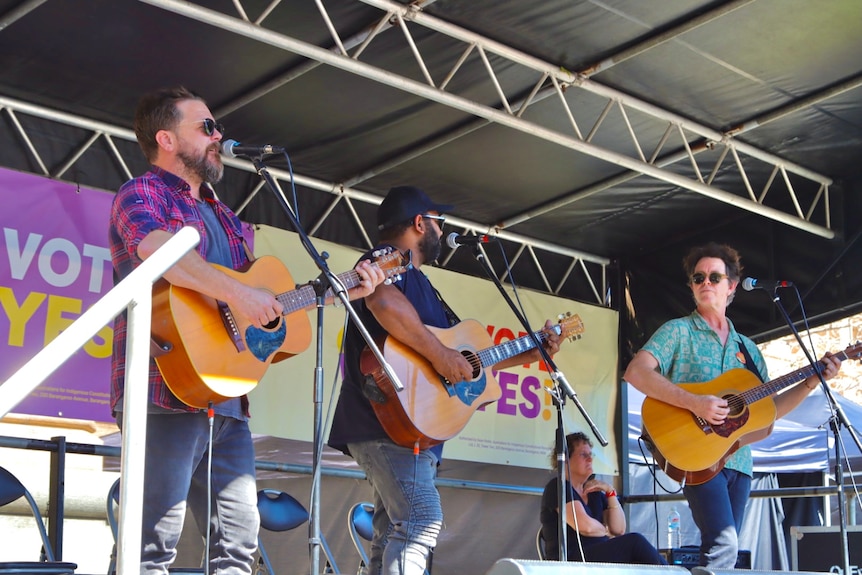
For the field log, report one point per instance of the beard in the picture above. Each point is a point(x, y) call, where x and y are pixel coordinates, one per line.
point(210, 172)
point(430, 245)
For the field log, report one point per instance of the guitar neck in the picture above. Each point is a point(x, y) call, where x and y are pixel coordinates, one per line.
point(774, 386)
point(494, 355)
point(305, 296)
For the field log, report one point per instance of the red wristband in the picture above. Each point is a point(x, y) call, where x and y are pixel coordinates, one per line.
point(611, 493)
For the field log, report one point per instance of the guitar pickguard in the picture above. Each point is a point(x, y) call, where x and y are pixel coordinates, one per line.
point(467, 391)
point(262, 343)
point(731, 424)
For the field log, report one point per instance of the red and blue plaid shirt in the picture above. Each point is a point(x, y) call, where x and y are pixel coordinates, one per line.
point(158, 200)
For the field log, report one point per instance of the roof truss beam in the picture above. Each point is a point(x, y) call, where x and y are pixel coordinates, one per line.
point(590, 265)
point(561, 79)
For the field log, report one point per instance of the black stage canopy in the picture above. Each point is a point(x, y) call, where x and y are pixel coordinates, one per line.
point(599, 139)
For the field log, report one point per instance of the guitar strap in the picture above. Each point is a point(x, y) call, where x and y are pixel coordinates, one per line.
point(248, 253)
point(450, 313)
point(749, 363)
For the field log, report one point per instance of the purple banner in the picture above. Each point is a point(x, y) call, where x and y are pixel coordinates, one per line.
point(54, 264)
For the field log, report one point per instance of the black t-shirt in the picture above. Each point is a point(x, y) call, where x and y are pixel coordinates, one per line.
point(354, 418)
point(595, 507)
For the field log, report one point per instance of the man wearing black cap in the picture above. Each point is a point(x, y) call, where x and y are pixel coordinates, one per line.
point(407, 512)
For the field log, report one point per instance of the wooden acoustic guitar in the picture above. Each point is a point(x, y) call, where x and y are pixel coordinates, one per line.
point(688, 448)
point(430, 409)
point(207, 354)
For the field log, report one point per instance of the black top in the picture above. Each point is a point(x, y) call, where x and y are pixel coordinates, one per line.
point(596, 504)
point(354, 418)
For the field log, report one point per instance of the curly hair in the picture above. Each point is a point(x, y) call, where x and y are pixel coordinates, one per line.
point(572, 441)
point(730, 257)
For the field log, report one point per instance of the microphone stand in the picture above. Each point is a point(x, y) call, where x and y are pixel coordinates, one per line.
point(836, 420)
point(563, 390)
point(327, 282)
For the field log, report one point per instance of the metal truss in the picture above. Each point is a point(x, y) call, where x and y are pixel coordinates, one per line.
point(683, 139)
point(592, 268)
point(687, 138)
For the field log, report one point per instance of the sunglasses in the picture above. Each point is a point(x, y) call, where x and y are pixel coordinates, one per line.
point(209, 126)
point(441, 220)
point(700, 277)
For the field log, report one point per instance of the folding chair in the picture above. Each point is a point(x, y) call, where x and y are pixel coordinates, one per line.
point(11, 489)
point(280, 511)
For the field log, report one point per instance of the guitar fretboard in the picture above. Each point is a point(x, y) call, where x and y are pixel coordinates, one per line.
point(305, 296)
point(775, 385)
point(493, 355)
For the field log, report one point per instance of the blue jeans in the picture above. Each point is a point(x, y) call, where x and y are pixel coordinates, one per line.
point(717, 507)
point(176, 476)
point(408, 515)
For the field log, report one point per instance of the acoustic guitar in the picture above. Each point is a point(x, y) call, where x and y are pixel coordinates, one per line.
point(688, 448)
point(207, 354)
point(430, 409)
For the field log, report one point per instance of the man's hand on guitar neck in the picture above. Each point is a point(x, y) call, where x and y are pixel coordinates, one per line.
point(370, 276)
point(551, 345)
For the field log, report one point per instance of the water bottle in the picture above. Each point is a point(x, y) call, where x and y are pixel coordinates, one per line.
point(674, 534)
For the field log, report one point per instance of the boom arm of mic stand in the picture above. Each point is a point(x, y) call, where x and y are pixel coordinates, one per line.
point(336, 286)
point(556, 374)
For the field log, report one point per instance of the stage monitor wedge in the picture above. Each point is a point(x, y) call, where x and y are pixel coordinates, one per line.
point(526, 567)
point(708, 571)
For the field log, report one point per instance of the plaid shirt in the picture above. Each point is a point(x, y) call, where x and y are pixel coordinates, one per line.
point(158, 200)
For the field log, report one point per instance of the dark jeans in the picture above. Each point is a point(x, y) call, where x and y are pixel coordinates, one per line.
point(628, 548)
point(176, 476)
point(717, 508)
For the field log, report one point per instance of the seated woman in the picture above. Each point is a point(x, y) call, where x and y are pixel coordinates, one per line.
point(593, 515)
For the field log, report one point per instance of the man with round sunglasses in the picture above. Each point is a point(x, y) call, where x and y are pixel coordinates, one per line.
point(179, 137)
point(697, 349)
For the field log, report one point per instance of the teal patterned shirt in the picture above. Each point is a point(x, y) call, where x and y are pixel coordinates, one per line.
point(689, 351)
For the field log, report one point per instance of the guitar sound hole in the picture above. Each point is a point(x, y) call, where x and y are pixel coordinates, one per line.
point(273, 324)
point(735, 405)
point(474, 361)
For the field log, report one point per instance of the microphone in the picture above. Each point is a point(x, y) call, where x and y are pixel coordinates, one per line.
point(749, 284)
point(233, 149)
point(453, 240)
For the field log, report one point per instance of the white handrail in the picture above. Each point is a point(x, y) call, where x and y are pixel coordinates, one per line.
point(134, 293)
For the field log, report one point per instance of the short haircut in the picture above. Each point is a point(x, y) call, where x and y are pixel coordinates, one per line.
point(156, 111)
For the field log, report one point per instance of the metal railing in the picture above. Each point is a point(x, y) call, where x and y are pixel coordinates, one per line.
point(134, 294)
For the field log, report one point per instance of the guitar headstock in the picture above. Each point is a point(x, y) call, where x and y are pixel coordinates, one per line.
point(571, 326)
point(854, 351)
point(392, 263)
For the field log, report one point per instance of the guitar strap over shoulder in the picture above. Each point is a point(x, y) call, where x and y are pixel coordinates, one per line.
point(749, 363)
point(450, 313)
point(248, 253)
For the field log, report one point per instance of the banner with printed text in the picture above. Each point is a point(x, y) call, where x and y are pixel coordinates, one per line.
point(55, 264)
point(519, 428)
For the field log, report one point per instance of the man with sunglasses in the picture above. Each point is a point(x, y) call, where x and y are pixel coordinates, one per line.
point(179, 137)
point(407, 512)
point(698, 348)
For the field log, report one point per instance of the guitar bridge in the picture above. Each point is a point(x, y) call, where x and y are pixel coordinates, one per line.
point(230, 326)
point(702, 424)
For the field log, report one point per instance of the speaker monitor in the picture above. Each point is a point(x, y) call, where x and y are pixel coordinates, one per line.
point(525, 567)
point(708, 571)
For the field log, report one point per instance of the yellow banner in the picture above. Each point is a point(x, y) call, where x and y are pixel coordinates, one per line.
point(516, 430)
